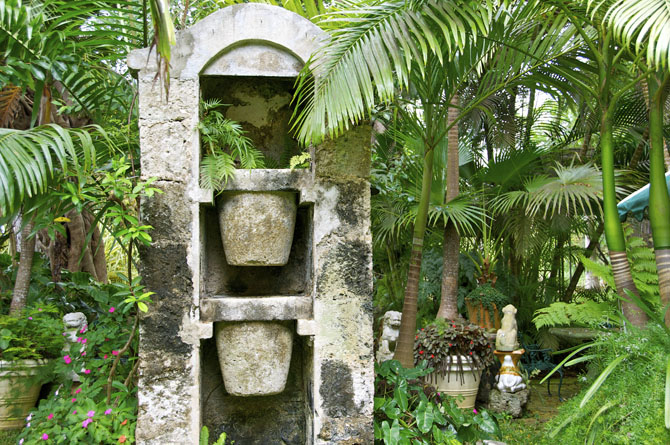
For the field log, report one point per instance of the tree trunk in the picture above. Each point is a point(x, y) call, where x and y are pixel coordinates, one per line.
point(616, 243)
point(452, 242)
point(659, 201)
point(22, 283)
point(404, 351)
point(595, 240)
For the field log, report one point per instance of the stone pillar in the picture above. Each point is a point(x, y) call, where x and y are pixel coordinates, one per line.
point(343, 342)
point(169, 374)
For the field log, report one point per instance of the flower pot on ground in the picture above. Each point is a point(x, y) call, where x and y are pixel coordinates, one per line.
point(257, 227)
point(458, 352)
point(19, 390)
point(26, 342)
point(484, 304)
point(254, 356)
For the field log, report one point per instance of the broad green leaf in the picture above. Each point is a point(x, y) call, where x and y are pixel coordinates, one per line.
point(601, 378)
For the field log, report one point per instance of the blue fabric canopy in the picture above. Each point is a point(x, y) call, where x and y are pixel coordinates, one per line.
point(636, 203)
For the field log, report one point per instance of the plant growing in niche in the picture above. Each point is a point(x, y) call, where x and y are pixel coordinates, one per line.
point(225, 147)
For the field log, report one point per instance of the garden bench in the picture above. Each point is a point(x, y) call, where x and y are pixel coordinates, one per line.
point(540, 359)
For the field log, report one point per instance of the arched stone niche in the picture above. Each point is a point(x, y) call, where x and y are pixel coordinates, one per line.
point(248, 55)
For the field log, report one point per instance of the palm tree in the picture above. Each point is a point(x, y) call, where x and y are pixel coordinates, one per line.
point(643, 26)
point(398, 44)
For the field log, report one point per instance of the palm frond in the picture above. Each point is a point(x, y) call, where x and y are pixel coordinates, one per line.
point(31, 159)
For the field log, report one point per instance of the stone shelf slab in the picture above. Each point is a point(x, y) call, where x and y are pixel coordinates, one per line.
point(221, 308)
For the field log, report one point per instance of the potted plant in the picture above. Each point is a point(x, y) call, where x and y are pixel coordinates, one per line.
point(27, 342)
point(484, 305)
point(458, 352)
point(256, 227)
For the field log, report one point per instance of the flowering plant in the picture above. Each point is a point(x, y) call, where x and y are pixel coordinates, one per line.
point(443, 343)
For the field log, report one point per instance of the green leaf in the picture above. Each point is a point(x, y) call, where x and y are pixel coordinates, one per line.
point(391, 434)
point(667, 395)
point(424, 416)
point(400, 396)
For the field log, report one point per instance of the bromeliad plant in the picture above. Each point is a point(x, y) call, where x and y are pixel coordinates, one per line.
point(443, 343)
point(225, 147)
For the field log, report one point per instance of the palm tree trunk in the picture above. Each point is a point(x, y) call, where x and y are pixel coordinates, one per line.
point(22, 283)
point(572, 286)
point(616, 243)
point(452, 241)
point(404, 351)
point(659, 201)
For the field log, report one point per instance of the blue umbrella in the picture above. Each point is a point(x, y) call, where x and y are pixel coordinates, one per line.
point(637, 202)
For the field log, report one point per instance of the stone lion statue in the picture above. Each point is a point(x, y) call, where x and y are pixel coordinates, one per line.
point(390, 331)
point(506, 335)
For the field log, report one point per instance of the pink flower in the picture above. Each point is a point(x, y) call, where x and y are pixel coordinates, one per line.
point(74, 412)
point(85, 423)
point(90, 413)
point(78, 339)
point(45, 436)
point(108, 411)
point(74, 399)
point(78, 391)
point(83, 354)
point(21, 442)
point(115, 352)
point(40, 309)
point(111, 309)
point(50, 416)
point(64, 334)
point(105, 356)
point(83, 340)
point(67, 359)
point(87, 371)
point(474, 410)
point(82, 330)
point(30, 318)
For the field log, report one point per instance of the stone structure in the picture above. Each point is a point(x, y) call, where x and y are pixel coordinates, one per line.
point(510, 403)
point(248, 56)
point(74, 324)
point(390, 332)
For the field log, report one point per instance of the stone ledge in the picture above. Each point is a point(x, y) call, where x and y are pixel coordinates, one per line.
point(220, 308)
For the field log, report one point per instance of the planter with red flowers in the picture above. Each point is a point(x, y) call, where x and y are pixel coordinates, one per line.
point(458, 352)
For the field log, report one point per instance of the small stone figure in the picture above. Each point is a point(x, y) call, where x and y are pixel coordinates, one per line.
point(508, 379)
point(506, 335)
point(74, 322)
point(390, 331)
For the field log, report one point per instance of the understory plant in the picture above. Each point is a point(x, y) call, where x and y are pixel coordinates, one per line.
point(407, 411)
point(100, 405)
point(34, 334)
point(444, 343)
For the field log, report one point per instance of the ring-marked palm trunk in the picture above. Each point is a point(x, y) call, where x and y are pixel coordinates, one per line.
point(659, 201)
point(22, 283)
point(404, 351)
point(616, 244)
point(452, 241)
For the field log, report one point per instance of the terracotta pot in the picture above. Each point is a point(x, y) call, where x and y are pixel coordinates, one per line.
point(254, 356)
point(18, 391)
point(480, 315)
point(257, 227)
point(455, 383)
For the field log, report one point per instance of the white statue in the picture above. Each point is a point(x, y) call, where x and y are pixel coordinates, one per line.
point(390, 331)
point(75, 323)
point(508, 379)
point(506, 335)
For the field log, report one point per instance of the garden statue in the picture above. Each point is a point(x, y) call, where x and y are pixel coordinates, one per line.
point(390, 331)
point(506, 336)
point(74, 323)
point(508, 379)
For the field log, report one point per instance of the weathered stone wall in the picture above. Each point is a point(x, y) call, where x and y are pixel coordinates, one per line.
point(325, 289)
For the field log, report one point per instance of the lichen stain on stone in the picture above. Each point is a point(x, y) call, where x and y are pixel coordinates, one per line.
point(337, 389)
point(349, 263)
